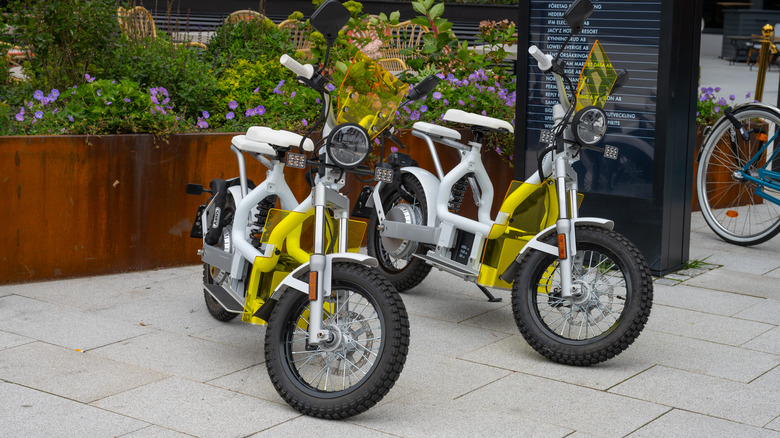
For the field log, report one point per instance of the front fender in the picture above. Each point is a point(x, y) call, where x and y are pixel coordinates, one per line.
point(292, 282)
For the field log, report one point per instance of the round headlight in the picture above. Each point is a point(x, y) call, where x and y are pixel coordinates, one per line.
point(589, 125)
point(348, 145)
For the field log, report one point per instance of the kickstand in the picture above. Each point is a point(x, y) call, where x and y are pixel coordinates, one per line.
point(489, 296)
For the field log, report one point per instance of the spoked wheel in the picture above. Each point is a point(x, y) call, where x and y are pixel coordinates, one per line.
point(611, 303)
point(728, 183)
point(357, 367)
point(396, 256)
point(214, 275)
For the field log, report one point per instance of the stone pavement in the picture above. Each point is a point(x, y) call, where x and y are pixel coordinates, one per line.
point(137, 355)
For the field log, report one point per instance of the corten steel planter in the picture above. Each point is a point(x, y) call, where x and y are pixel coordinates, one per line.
point(78, 205)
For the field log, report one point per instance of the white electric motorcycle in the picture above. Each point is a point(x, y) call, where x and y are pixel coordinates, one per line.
point(581, 293)
point(338, 332)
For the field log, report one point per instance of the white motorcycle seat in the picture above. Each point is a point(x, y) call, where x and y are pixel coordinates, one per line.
point(263, 140)
point(459, 116)
point(436, 130)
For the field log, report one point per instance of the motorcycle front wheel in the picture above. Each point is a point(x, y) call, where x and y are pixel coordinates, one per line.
point(614, 293)
point(357, 367)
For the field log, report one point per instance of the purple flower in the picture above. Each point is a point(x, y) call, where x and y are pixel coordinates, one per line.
point(460, 102)
point(98, 92)
point(446, 102)
point(20, 115)
point(717, 109)
point(233, 104)
point(732, 97)
point(54, 94)
point(38, 95)
point(39, 114)
point(436, 95)
point(423, 109)
point(717, 89)
point(293, 94)
point(257, 90)
point(260, 110)
point(89, 78)
point(250, 112)
point(206, 115)
point(415, 116)
point(277, 90)
point(393, 149)
point(305, 123)
point(317, 100)
point(202, 124)
point(154, 99)
point(29, 105)
point(230, 115)
point(109, 103)
point(126, 100)
point(747, 96)
point(153, 91)
point(56, 110)
point(330, 87)
point(70, 117)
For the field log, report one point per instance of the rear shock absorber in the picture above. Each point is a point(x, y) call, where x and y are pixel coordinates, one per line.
point(458, 192)
point(263, 207)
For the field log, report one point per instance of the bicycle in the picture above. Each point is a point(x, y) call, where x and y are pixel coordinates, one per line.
point(738, 180)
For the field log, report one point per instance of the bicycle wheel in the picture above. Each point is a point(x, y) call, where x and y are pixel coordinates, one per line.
point(352, 372)
point(613, 298)
point(728, 186)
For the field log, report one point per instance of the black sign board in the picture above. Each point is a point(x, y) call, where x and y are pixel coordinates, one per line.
point(647, 191)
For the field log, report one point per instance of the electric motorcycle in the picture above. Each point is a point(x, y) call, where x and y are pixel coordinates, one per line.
point(581, 293)
point(338, 332)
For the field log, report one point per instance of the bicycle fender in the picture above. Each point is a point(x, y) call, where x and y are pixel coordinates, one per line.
point(430, 184)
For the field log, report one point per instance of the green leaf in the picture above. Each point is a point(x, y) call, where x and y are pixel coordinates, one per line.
point(437, 10)
point(445, 26)
point(427, 3)
point(395, 16)
point(419, 8)
point(420, 21)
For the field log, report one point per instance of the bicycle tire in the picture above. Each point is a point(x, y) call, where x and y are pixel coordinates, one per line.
point(729, 202)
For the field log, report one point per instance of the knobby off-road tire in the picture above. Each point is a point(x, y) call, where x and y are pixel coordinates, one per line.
point(351, 374)
point(400, 266)
point(209, 272)
point(728, 201)
point(602, 322)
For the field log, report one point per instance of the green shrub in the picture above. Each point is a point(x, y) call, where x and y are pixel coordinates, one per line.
point(68, 38)
point(254, 40)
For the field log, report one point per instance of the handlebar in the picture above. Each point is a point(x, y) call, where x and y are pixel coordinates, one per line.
point(544, 62)
point(306, 71)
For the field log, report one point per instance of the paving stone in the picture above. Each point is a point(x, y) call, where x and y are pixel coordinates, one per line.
point(253, 381)
point(198, 409)
point(236, 334)
point(8, 340)
point(728, 280)
point(727, 399)
point(752, 263)
point(704, 326)
point(414, 417)
point(666, 282)
point(78, 376)
point(691, 272)
point(30, 413)
point(771, 379)
point(451, 306)
point(181, 355)
point(515, 354)
point(768, 342)
point(155, 432)
point(682, 424)
point(764, 311)
point(62, 325)
point(498, 320)
point(774, 425)
point(582, 409)
point(677, 277)
point(703, 300)
point(307, 426)
point(446, 338)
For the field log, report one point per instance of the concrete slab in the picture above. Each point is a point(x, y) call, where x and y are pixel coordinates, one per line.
point(771, 379)
point(682, 424)
point(728, 280)
point(767, 311)
point(9, 340)
point(155, 432)
point(697, 299)
point(727, 399)
point(62, 325)
point(413, 417)
point(308, 426)
point(78, 376)
point(515, 354)
point(701, 357)
point(582, 409)
point(31, 413)
point(768, 342)
point(253, 381)
point(198, 409)
point(704, 326)
point(237, 334)
point(446, 338)
point(181, 355)
point(755, 263)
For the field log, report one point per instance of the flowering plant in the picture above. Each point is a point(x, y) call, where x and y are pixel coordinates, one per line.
point(710, 105)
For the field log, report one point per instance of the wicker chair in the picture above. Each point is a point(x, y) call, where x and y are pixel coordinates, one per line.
point(393, 65)
point(405, 35)
point(137, 23)
point(299, 36)
point(244, 15)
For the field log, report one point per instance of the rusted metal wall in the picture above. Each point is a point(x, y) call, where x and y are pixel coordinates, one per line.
point(76, 205)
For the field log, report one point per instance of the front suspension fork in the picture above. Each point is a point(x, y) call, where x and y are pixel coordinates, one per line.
point(567, 210)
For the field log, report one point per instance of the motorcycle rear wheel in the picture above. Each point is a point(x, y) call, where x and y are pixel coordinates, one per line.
point(350, 374)
point(617, 293)
point(400, 265)
point(210, 272)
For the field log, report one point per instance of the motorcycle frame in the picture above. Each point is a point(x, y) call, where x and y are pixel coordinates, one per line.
point(443, 225)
